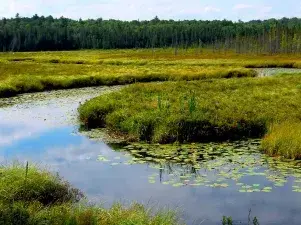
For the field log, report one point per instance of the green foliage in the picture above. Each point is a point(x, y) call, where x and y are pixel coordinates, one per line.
point(159, 102)
point(255, 221)
point(19, 183)
point(14, 214)
point(283, 139)
point(47, 33)
point(227, 220)
point(30, 196)
point(24, 83)
point(32, 72)
point(218, 110)
point(34, 213)
point(192, 103)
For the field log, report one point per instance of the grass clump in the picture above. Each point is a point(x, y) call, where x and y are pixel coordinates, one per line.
point(283, 139)
point(27, 184)
point(197, 111)
point(30, 196)
point(79, 214)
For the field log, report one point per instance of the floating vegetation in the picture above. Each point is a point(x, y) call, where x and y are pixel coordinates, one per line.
point(102, 158)
point(239, 165)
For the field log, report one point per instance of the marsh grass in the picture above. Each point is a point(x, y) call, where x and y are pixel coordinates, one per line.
point(16, 78)
point(197, 111)
point(80, 214)
point(95, 56)
point(229, 221)
point(31, 196)
point(284, 140)
point(26, 184)
point(39, 71)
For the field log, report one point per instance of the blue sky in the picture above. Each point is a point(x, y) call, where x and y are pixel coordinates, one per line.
point(148, 9)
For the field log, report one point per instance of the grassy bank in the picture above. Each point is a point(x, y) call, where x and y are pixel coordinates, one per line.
point(39, 71)
point(27, 184)
point(198, 111)
point(30, 196)
point(16, 78)
point(284, 140)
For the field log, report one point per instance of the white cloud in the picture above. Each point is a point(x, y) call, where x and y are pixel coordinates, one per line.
point(253, 11)
point(266, 9)
point(12, 7)
point(38, 113)
point(134, 9)
point(21, 130)
point(209, 9)
point(116, 9)
point(243, 6)
point(148, 9)
point(264, 12)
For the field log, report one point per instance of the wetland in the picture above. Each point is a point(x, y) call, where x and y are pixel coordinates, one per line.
point(202, 181)
point(184, 137)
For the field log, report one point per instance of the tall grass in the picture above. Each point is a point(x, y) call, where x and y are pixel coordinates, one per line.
point(70, 214)
point(283, 139)
point(96, 56)
point(39, 71)
point(26, 184)
point(32, 77)
point(31, 196)
point(198, 111)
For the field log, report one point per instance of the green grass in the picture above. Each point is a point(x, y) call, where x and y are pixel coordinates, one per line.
point(68, 214)
point(39, 71)
point(26, 184)
point(31, 196)
point(16, 78)
point(198, 111)
point(167, 54)
point(284, 140)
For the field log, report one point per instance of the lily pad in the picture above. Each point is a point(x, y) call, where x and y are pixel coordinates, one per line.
point(178, 185)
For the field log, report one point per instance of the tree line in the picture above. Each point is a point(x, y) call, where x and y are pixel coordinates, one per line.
point(40, 33)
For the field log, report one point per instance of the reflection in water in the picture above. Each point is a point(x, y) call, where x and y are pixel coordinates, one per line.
point(220, 166)
point(266, 72)
point(203, 188)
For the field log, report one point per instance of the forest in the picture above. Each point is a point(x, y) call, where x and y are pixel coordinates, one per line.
point(40, 33)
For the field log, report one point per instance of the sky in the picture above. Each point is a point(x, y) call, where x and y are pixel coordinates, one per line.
point(147, 9)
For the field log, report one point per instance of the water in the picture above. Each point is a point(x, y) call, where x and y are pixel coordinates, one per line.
point(42, 128)
point(265, 72)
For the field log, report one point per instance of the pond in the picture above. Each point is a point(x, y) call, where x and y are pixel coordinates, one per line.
point(203, 181)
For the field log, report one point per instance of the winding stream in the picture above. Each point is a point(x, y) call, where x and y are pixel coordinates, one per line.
point(266, 72)
point(224, 179)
